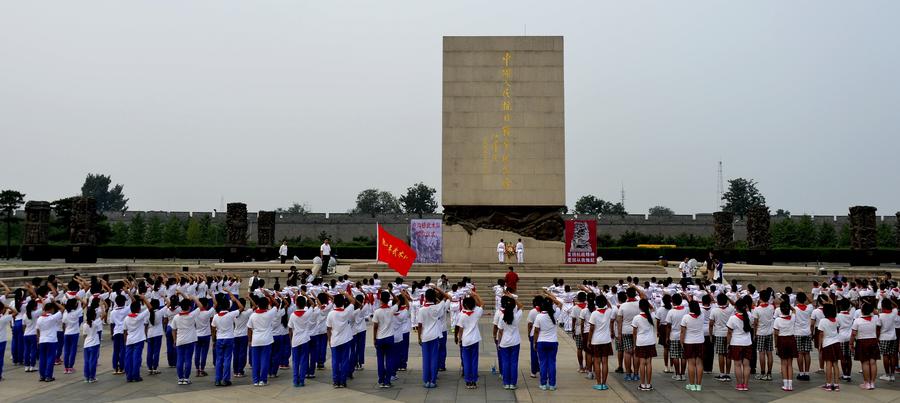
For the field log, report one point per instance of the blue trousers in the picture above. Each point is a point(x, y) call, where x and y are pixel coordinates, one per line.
point(384, 351)
point(184, 353)
point(403, 357)
point(47, 356)
point(70, 348)
point(469, 356)
point(224, 353)
point(2, 356)
point(18, 342)
point(300, 361)
point(322, 347)
point(442, 352)
point(313, 355)
point(275, 357)
point(91, 357)
point(340, 363)
point(29, 357)
point(118, 355)
point(133, 355)
point(360, 350)
point(260, 357)
point(154, 345)
point(430, 360)
point(201, 352)
point(60, 335)
point(171, 353)
point(240, 354)
point(547, 358)
point(509, 364)
point(535, 367)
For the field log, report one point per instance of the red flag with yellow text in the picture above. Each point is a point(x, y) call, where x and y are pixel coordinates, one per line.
point(393, 251)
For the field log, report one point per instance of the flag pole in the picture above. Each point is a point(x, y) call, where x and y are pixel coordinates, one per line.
point(377, 240)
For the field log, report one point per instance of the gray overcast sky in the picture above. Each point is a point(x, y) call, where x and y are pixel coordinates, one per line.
point(269, 102)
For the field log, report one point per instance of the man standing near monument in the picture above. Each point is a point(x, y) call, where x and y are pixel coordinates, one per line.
point(501, 251)
point(282, 252)
point(325, 253)
point(520, 252)
point(512, 280)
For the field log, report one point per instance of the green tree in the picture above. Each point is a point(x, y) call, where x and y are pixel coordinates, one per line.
point(742, 194)
point(419, 199)
point(827, 236)
point(374, 201)
point(173, 233)
point(592, 205)
point(154, 231)
point(119, 233)
point(805, 233)
point(296, 208)
point(844, 236)
point(782, 213)
point(194, 232)
point(205, 223)
point(137, 230)
point(784, 233)
point(10, 200)
point(97, 186)
point(61, 218)
point(886, 237)
point(661, 211)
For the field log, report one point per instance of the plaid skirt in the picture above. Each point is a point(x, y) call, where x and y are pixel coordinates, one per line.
point(579, 344)
point(620, 344)
point(887, 347)
point(676, 350)
point(804, 344)
point(628, 342)
point(765, 343)
point(721, 345)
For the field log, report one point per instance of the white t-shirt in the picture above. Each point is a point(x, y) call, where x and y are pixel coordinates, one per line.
point(693, 328)
point(845, 322)
point(784, 325)
point(70, 321)
point(91, 333)
point(764, 315)
point(546, 328)
point(260, 323)
point(865, 327)
point(224, 324)
point(830, 331)
point(384, 317)
point(203, 319)
point(48, 325)
point(283, 250)
point(134, 325)
point(532, 315)
point(510, 336)
point(719, 316)
point(601, 319)
point(501, 247)
point(117, 318)
point(5, 323)
point(674, 318)
point(240, 322)
point(646, 333)
point(468, 321)
point(325, 249)
point(432, 317)
point(185, 326)
point(341, 320)
point(155, 329)
point(628, 311)
point(803, 314)
point(300, 323)
point(888, 324)
point(402, 324)
point(738, 336)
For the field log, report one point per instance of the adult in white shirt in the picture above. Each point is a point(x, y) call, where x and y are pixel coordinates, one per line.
point(283, 252)
point(383, 338)
point(430, 320)
point(325, 253)
point(340, 323)
point(468, 336)
point(520, 252)
point(501, 251)
point(223, 324)
point(300, 323)
point(600, 337)
point(740, 344)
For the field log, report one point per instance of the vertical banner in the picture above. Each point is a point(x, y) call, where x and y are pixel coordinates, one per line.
point(426, 238)
point(581, 241)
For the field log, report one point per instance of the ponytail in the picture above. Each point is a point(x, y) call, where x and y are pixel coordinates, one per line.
point(742, 308)
point(644, 305)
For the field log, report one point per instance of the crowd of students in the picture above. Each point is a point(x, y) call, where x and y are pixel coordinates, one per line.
point(295, 326)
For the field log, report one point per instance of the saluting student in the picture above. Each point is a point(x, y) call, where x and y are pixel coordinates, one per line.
point(259, 335)
point(509, 341)
point(117, 320)
point(786, 344)
point(240, 338)
point(340, 334)
point(155, 334)
point(430, 319)
point(546, 341)
point(184, 330)
point(91, 328)
point(601, 335)
point(135, 335)
point(468, 337)
point(204, 335)
point(740, 344)
point(299, 326)
point(7, 315)
point(71, 330)
point(223, 324)
point(47, 326)
point(383, 338)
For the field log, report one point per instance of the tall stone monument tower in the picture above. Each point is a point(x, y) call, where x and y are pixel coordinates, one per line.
point(503, 147)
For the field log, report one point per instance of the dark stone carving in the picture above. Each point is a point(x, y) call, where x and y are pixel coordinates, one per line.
point(37, 227)
point(544, 223)
point(863, 228)
point(82, 231)
point(265, 228)
point(897, 230)
point(723, 225)
point(236, 224)
point(758, 228)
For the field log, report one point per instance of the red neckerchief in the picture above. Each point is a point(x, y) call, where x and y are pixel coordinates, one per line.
point(223, 313)
point(184, 313)
point(602, 310)
point(631, 300)
point(132, 315)
point(832, 319)
point(403, 308)
point(468, 312)
point(385, 306)
point(581, 305)
point(845, 312)
point(679, 307)
point(427, 304)
point(204, 309)
point(644, 315)
point(72, 293)
point(706, 307)
point(45, 315)
point(739, 316)
point(763, 304)
point(299, 313)
point(261, 311)
point(695, 316)
point(786, 317)
point(802, 307)
point(339, 309)
point(887, 311)
point(537, 309)
point(868, 318)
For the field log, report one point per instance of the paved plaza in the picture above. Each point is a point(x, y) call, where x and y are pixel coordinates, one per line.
point(18, 386)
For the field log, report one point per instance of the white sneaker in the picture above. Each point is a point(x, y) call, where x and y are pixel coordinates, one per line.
point(885, 377)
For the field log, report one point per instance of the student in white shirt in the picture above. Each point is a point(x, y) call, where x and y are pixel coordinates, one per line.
point(383, 338)
point(803, 334)
point(241, 348)
point(692, 341)
point(468, 336)
point(718, 317)
point(430, 321)
point(546, 342)
point(7, 315)
point(117, 320)
point(223, 325)
point(72, 329)
point(830, 342)
point(786, 344)
point(402, 327)
point(204, 334)
point(259, 336)
point(676, 348)
point(740, 344)
point(47, 326)
point(864, 338)
point(184, 331)
point(644, 332)
point(887, 339)
point(509, 341)
point(763, 317)
point(135, 335)
point(600, 335)
point(91, 330)
point(532, 315)
point(340, 335)
point(318, 336)
point(300, 323)
point(155, 331)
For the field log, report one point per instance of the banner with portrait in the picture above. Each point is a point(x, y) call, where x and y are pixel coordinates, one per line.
point(426, 238)
point(581, 241)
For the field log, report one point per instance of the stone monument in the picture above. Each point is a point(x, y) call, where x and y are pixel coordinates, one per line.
point(37, 227)
point(236, 232)
point(863, 236)
point(265, 235)
point(503, 139)
point(82, 231)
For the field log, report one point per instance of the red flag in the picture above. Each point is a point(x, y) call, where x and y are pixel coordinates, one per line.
point(393, 251)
